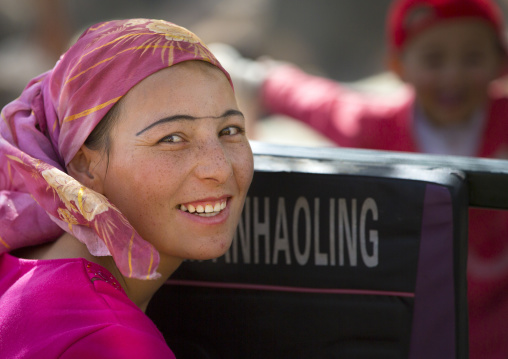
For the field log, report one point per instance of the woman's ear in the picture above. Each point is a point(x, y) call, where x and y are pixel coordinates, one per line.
point(87, 168)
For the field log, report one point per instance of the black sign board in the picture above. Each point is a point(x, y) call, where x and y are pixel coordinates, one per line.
point(331, 259)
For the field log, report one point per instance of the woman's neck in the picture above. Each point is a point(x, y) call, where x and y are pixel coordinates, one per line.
point(141, 291)
point(67, 246)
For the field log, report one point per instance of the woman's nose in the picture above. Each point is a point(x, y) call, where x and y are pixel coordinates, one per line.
point(213, 162)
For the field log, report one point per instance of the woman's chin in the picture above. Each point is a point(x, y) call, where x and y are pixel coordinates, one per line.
point(212, 252)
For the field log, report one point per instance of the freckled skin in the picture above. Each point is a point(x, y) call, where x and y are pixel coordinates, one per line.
point(451, 65)
point(150, 174)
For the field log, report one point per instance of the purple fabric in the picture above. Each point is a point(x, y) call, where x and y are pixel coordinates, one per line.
point(42, 130)
point(433, 334)
point(70, 308)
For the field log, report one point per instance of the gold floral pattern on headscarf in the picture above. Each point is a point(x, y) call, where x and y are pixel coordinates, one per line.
point(136, 22)
point(86, 202)
point(67, 217)
point(172, 32)
point(166, 37)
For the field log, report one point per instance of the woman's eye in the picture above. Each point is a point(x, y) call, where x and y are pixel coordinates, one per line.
point(172, 139)
point(230, 131)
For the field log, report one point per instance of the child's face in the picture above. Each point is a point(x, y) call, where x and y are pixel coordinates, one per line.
point(450, 66)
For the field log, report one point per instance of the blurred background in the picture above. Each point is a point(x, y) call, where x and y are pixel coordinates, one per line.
point(339, 39)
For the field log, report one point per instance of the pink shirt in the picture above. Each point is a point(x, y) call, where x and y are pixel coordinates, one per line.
point(70, 308)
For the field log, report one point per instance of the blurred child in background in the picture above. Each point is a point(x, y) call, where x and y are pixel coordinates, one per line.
point(448, 53)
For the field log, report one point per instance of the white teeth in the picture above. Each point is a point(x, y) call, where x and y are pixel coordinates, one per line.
point(206, 211)
point(208, 214)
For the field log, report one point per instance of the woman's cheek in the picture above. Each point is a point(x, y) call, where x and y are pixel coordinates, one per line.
point(243, 164)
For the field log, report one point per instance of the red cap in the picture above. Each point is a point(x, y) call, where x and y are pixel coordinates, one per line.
point(406, 18)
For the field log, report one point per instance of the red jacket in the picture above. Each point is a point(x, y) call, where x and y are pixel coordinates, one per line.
point(353, 119)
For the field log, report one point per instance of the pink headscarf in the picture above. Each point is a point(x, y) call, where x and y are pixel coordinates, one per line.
point(42, 130)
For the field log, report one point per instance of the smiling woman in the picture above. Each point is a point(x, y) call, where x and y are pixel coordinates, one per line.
point(126, 158)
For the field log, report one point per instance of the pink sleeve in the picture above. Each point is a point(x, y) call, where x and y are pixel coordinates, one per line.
point(117, 341)
point(349, 118)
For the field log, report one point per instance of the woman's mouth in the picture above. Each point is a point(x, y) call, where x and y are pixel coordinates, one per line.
point(205, 209)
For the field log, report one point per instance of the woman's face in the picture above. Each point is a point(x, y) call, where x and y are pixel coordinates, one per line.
point(180, 164)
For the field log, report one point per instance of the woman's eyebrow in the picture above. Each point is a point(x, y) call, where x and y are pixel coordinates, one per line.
point(173, 118)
